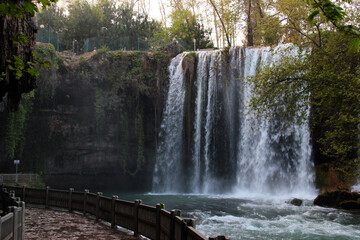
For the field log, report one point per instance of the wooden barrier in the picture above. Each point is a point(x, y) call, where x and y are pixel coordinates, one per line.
point(12, 225)
point(22, 178)
point(152, 222)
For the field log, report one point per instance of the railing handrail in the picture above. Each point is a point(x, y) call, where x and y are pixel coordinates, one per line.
point(12, 225)
point(149, 221)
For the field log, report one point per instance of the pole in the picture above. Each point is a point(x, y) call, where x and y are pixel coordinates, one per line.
point(49, 33)
point(16, 174)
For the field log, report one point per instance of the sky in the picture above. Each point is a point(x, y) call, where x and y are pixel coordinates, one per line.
point(154, 11)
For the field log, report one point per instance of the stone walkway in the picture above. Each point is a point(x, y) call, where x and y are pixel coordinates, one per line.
point(52, 224)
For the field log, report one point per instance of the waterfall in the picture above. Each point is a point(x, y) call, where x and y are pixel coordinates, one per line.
point(229, 152)
point(168, 168)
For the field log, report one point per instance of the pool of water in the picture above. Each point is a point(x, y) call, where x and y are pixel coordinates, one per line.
point(257, 217)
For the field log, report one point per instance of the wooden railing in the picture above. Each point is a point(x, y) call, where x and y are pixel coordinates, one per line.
point(21, 178)
point(152, 222)
point(12, 225)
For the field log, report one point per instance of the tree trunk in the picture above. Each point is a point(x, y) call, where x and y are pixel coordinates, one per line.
point(216, 30)
point(222, 23)
point(250, 34)
point(9, 85)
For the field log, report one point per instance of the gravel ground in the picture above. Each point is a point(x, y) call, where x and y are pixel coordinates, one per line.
point(53, 224)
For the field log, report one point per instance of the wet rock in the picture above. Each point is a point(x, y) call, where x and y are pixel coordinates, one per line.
point(296, 202)
point(338, 199)
point(172, 49)
point(350, 205)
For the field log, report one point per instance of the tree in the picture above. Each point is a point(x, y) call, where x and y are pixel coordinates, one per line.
point(17, 41)
point(222, 22)
point(185, 28)
point(84, 21)
point(51, 23)
point(323, 78)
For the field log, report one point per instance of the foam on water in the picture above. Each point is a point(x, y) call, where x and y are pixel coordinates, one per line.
point(281, 222)
point(258, 218)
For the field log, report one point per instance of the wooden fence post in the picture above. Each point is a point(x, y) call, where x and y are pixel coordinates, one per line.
point(86, 191)
point(158, 218)
point(23, 193)
point(15, 221)
point(71, 190)
point(219, 237)
point(0, 226)
point(22, 205)
point(183, 230)
point(47, 197)
point(98, 195)
point(184, 227)
point(12, 193)
point(113, 202)
point(136, 217)
point(175, 212)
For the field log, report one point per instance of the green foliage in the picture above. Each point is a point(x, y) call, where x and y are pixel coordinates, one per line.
point(19, 67)
point(14, 8)
point(140, 136)
point(191, 54)
point(46, 55)
point(48, 62)
point(126, 82)
point(89, 26)
point(124, 73)
point(326, 80)
point(20, 39)
point(18, 9)
point(354, 45)
point(185, 28)
point(282, 91)
point(100, 52)
point(16, 128)
point(84, 21)
point(329, 9)
point(336, 15)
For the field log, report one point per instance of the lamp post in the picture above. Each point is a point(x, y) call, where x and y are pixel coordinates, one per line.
point(42, 31)
point(230, 33)
point(198, 34)
point(73, 43)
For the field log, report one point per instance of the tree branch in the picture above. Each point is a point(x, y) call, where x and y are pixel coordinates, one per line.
point(222, 23)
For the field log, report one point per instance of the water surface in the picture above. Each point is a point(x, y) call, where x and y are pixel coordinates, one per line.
point(254, 217)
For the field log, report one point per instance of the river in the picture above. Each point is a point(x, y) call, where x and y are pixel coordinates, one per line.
point(257, 217)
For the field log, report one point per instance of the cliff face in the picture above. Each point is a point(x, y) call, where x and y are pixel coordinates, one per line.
point(96, 116)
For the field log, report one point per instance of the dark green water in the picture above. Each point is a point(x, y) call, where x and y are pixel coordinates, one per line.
point(256, 218)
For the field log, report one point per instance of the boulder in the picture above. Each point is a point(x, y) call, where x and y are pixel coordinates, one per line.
point(337, 199)
point(172, 49)
point(350, 205)
point(296, 202)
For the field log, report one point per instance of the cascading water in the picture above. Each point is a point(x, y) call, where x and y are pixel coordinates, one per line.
point(228, 152)
point(271, 157)
point(169, 152)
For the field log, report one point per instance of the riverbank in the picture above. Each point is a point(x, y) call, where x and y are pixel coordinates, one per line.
point(53, 224)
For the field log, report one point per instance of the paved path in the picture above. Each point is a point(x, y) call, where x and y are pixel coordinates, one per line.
point(52, 224)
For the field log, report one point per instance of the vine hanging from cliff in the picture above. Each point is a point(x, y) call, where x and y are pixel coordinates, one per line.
point(16, 128)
